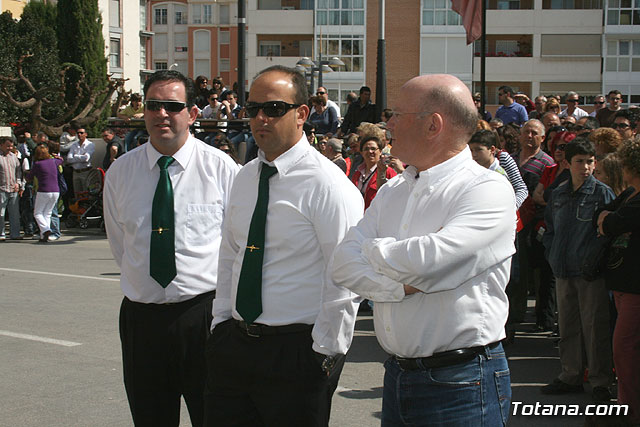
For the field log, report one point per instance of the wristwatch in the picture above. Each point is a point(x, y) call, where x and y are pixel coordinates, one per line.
point(327, 363)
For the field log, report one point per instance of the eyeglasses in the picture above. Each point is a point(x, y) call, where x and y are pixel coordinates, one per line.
point(270, 108)
point(572, 100)
point(169, 106)
point(320, 93)
point(598, 102)
point(561, 147)
point(398, 114)
point(620, 126)
point(80, 132)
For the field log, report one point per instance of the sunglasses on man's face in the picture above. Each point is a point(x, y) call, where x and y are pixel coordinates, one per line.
point(620, 126)
point(270, 108)
point(320, 93)
point(169, 106)
point(599, 102)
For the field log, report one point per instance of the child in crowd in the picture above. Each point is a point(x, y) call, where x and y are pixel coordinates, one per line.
point(583, 310)
point(483, 145)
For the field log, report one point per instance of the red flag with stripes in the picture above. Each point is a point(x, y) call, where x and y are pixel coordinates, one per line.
point(471, 13)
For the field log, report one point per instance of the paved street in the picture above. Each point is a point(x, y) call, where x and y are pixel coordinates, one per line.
point(60, 352)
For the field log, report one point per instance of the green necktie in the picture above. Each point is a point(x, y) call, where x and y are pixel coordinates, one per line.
point(162, 262)
point(249, 295)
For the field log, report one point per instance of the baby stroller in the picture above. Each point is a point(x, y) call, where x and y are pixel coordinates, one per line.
point(88, 207)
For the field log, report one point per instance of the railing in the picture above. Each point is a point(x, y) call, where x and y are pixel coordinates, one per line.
point(207, 125)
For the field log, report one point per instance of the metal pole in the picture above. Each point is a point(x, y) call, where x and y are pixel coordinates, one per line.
point(381, 72)
point(241, 50)
point(320, 66)
point(311, 80)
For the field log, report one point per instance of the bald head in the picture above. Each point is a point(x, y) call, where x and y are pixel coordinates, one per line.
point(433, 120)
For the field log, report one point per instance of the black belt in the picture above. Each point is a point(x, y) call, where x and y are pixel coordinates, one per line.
point(257, 330)
point(83, 170)
point(443, 359)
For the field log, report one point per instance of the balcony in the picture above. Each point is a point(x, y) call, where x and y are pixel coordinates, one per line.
point(285, 4)
point(271, 21)
point(509, 4)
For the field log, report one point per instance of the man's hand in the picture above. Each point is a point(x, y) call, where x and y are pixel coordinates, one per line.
point(410, 290)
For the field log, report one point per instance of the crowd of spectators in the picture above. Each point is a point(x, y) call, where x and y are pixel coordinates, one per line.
point(575, 174)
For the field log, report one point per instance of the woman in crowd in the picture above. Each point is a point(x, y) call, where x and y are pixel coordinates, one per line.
point(552, 105)
point(202, 92)
point(508, 136)
point(548, 137)
point(366, 177)
point(606, 140)
point(554, 175)
point(45, 169)
point(609, 170)
point(620, 220)
point(324, 118)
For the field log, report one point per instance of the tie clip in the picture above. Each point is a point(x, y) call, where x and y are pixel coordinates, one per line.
point(160, 230)
point(252, 248)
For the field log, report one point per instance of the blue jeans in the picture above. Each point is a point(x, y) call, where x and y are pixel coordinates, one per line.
point(473, 394)
point(9, 202)
point(55, 221)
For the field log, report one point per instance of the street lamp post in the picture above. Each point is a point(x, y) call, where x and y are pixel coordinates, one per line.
point(320, 66)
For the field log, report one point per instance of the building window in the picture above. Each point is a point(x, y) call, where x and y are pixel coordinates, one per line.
point(340, 12)
point(160, 65)
point(202, 41)
point(143, 14)
point(180, 41)
point(572, 4)
point(160, 44)
point(201, 14)
point(438, 12)
point(202, 67)
point(224, 37)
point(268, 48)
point(181, 15)
point(160, 16)
point(225, 18)
point(572, 45)
point(224, 65)
point(623, 56)
point(114, 13)
point(349, 48)
point(143, 54)
point(114, 53)
point(623, 12)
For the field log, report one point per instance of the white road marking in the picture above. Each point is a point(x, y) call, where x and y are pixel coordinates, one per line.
point(48, 273)
point(40, 339)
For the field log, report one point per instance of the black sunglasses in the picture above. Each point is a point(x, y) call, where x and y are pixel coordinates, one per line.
point(561, 147)
point(169, 106)
point(270, 108)
point(320, 93)
point(599, 102)
point(620, 126)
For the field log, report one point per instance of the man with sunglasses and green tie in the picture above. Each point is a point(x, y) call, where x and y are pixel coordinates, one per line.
point(281, 327)
point(165, 233)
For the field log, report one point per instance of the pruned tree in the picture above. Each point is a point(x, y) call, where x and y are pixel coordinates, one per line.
point(86, 108)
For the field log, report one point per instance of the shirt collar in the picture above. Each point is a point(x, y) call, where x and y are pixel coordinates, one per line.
point(182, 156)
point(285, 161)
point(442, 170)
point(587, 187)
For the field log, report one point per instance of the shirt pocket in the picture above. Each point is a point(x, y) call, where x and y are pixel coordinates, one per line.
point(586, 209)
point(203, 223)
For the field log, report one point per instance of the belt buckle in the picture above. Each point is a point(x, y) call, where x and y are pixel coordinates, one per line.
point(252, 330)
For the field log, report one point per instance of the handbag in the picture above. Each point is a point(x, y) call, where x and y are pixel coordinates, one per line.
point(595, 261)
point(62, 183)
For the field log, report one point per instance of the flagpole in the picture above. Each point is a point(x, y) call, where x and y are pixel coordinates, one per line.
point(483, 57)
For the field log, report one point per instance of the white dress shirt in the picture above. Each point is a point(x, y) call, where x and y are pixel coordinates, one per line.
point(79, 156)
point(449, 233)
point(578, 113)
point(201, 177)
point(312, 204)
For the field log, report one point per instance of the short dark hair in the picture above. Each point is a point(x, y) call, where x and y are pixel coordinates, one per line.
point(351, 97)
point(506, 89)
point(318, 99)
point(308, 127)
point(387, 113)
point(172, 76)
point(300, 95)
point(630, 114)
point(135, 97)
point(486, 138)
point(54, 147)
point(365, 89)
point(580, 145)
point(614, 92)
point(109, 130)
point(591, 123)
point(371, 138)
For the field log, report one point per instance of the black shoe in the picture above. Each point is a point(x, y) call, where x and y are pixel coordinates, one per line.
point(46, 235)
point(560, 387)
point(601, 394)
